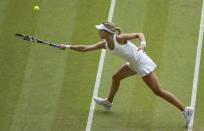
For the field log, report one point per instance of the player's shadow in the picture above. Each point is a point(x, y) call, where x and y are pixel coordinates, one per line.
point(104, 112)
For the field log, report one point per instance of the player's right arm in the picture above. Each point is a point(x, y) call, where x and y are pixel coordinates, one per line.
point(85, 48)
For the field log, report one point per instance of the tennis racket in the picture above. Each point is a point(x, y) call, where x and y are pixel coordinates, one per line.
point(35, 40)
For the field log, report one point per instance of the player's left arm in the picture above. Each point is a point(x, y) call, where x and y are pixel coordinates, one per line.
point(130, 36)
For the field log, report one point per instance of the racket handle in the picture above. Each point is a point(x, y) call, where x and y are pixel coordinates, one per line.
point(53, 45)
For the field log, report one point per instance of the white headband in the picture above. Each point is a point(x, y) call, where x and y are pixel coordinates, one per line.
point(103, 27)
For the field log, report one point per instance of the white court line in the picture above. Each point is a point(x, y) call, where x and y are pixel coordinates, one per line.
point(197, 66)
point(99, 73)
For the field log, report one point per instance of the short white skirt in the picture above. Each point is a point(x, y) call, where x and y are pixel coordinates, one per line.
point(143, 66)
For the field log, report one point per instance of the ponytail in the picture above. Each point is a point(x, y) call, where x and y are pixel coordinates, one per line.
point(112, 27)
point(118, 30)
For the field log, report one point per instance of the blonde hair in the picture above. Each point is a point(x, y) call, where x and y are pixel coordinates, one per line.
point(112, 27)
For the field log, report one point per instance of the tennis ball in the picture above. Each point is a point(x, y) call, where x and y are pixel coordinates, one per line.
point(36, 8)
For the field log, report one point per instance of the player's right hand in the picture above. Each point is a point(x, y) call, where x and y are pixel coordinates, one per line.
point(62, 46)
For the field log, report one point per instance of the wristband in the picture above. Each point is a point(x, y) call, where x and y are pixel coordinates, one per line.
point(143, 43)
point(68, 46)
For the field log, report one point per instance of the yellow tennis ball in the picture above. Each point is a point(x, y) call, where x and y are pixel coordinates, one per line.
point(36, 8)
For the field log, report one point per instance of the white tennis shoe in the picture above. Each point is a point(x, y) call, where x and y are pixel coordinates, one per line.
point(104, 102)
point(188, 112)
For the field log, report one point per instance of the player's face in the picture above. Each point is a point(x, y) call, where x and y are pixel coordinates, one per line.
point(103, 34)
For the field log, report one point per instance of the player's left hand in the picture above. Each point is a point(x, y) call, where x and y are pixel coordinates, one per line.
point(142, 47)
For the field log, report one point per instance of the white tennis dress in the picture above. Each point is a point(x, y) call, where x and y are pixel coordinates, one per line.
point(136, 60)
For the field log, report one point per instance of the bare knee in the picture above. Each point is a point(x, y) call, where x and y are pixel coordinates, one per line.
point(116, 77)
point(158, 92)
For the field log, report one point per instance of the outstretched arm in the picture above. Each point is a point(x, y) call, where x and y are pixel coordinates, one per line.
point(84, 48)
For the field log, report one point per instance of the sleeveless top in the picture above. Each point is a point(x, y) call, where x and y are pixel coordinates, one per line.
point(128, 51)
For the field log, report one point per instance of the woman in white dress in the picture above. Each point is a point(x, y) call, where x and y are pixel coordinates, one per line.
point(138, 62)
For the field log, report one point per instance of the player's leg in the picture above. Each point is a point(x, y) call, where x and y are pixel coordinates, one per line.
point(153, 82)
point(122, 73)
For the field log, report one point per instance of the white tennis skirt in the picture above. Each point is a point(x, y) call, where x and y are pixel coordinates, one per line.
point(143, 66)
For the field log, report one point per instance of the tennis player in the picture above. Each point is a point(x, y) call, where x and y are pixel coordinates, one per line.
point(138, 62)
